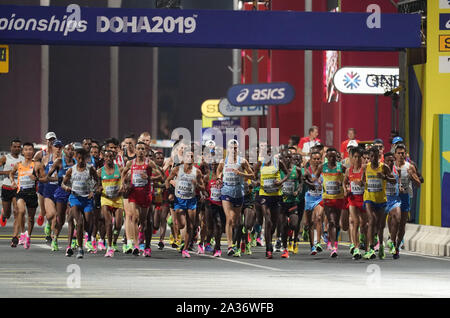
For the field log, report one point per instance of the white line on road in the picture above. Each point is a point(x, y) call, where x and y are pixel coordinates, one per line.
point(45, 246)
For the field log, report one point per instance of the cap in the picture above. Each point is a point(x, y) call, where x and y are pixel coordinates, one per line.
point(352, 143)
point(233, 142)
point(397, 140)
point(50, 135)
point(210, 143)
point(58, 143)
point(77, 145)
point(378, 141)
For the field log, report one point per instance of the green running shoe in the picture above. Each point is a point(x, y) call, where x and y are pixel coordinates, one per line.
point(375, 239)
point(352, 248)
point(237, 253)
point(370, 254)
point(253, 237)
point(319, 247)
point(74, 244)
point(55, 246)
point(391, 246)
point(381, 253)
point(89, 246)
point(180, 247)
point(170, 221)
point(114, 247)
point(127, 249)
point(48, 229)
point(356, 254)
point(248, 251)
point(213, 242)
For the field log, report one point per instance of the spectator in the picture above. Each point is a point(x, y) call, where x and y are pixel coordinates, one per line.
point(293, 141)
point(306, 143)
point(351, 134)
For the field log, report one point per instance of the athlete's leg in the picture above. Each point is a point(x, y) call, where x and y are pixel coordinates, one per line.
point(108, 224)
point(50, 213)
point(318, 219)
point(402, 227)
point(19, 220)
point(344, 220)
point(354, 224)
point(60, 218)
point(163, 222)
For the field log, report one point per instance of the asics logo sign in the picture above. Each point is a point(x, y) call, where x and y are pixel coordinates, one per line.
point(261, 94)
point(444, 21)
point(242, 95)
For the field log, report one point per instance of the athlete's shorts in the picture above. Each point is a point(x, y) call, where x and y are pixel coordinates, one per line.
point(30, 198)
point(271, 201)
point(116, 203)
point(376, 206)
point(357, 201)
point(84, 204)
point(49, 191)
point(8, 194)
point(236, 202)
point(312, 201)
point(333, 203)
point(140, 196)
point(289, 208)
point(61, 196)
point(392, 203)
point(185, 204)
point(406, 202)
point(217, 212)
point(41, 187)
point(249, 203)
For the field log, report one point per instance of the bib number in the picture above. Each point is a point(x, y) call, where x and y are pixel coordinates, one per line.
point(356, 188)
point(374, 185)
point(333, 187)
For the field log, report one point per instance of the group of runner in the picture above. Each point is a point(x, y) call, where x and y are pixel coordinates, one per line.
point(202, 194)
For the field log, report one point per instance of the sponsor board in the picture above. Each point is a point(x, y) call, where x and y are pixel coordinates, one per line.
point(261, 94)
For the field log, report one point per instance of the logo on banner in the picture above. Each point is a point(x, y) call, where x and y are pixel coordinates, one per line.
point(444, 21)
point(261, 94)
point(444, 4)
point(352, 80)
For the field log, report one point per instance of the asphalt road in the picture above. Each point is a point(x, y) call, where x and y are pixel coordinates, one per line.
point(38, 272)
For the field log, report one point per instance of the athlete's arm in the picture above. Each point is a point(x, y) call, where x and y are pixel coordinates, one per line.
point(160, 175)
point(200, 184)
point(172, 175)
point(388, 175)
point(11, 176)
point(40, 176)
point(56, 166)
point(417, 172)
point(219, 171)
point(94, 176)
point(413, 175)
point(99, 176)
point(66, 179)
point(256, 169)
point(286, 173)
point(126, 169)
point(2, 163)
point(38, 156)
point(346, 182)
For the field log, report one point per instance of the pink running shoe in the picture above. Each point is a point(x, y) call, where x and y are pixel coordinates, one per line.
point(200, 249)
point(27, 243)
point(377, 247)
point(110, 253)
point(329, 246)
point(22, 238)
point(218, 253)
point(185, 254)
point(147, 252)
point(101, 246)
point(141, 238)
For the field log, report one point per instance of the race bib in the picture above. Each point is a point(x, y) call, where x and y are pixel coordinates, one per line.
point(356, 188)
point(185, 189)
point(26, 182)
point(391, 189)
point(269, 186)
point(317, 192)
point(333, 187)
point(80, 188)
point(112, 191)
point(374, 185)
point(138, 181)
point(215, 194)
point(230, 178)
point(289, 187)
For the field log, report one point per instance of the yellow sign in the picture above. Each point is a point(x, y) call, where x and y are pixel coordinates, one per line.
point(444, 43)
point(4, 58)
point(210, 108)
point(208, 121)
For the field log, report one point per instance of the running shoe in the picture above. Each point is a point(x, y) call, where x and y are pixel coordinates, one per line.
point(185, 254)
point(248, 250)
point(48, 229)
point(174, 245)
point(85, 240)
point(141, 238)
point(237, 253)
point(22, 238)
point(3, 220)
point(356, 254)
point(377, 246)
point(259, 241)
point(217, 253)
point(391, 247)
point(55, 246)
point(208, 248)
point(212, 242)
point(313, 250)
point(325, 237)
point(291, 247)
point(230, 251)
point(141, 247)
point(74, 244)
point(334, 253)
point(160, 245)
point(381, 253)
point(319, 248)
point(278, 245)
point(171, 239)
point(14, 241)
point(89, 247)
point(128, 249)
point(402, 244)
point(397, 254)
point(27, 243)
point(242, 247)
point(253, 239)
point(109, 252)
point(305, 234)
point(80, 253)
point(200, 249)
point(370, 254)
point(40, 220)
point(180, 247)
point(101, 246)
point(295, 251)
point(136, 251)
point(147, 252)
point(285, 254)
point(94, 245)
point(155, 231)
point(329, 246)
point(170, 221)
point(69, 251)
point(352, 248)
point(269, 254)
point(114, 247)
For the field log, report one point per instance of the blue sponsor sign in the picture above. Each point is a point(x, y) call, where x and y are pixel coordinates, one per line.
point(261, 94)
point(444, 21)
point(207, 28)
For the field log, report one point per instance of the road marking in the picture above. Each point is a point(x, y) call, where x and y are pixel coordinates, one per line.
point(45, 246)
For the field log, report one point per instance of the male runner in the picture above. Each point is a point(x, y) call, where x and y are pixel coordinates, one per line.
point(160, 201)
